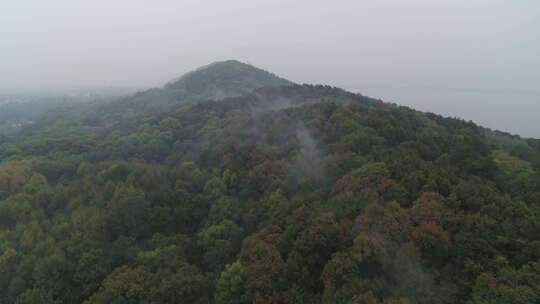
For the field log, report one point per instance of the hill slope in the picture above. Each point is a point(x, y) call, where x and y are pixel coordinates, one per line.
point(291, 194)
point(225, 79)
point(212, 82)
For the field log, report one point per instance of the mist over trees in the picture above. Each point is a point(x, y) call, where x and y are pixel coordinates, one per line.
point(231, 185)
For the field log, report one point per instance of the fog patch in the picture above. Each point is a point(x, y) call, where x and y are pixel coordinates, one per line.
point(218, 94)
point(309, 160)
point(411, 279)
point(265, 105)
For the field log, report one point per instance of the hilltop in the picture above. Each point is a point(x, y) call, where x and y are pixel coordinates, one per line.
point(223, 79)
point(215, 81)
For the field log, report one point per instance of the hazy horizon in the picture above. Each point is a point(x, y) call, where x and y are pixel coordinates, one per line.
point(384, 48)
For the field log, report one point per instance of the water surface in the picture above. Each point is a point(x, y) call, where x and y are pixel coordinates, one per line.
point(512, 111)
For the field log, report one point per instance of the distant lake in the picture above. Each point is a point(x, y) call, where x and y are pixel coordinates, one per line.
point(512, 111)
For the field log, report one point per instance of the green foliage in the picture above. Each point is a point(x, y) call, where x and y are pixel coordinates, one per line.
point(35, 296)
point(221, 242)
point(291, 194)
point(230, 285)
point(36, 184)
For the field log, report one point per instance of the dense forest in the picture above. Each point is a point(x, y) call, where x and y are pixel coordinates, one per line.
point(242, 187)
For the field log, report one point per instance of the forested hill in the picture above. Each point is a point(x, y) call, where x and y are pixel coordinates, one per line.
point(280, 194)
point(215, 81)
point(225, 79)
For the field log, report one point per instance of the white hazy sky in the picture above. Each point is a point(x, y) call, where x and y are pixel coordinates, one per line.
point(485, 44)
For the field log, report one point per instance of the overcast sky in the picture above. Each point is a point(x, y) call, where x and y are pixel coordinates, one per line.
point(480, 44)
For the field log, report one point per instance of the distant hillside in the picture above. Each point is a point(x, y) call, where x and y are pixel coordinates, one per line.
point(215, 81)
point(212, 82)
point(224, 79)
point(23, 108)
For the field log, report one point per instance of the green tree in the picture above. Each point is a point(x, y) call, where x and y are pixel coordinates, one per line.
point(230, 285)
